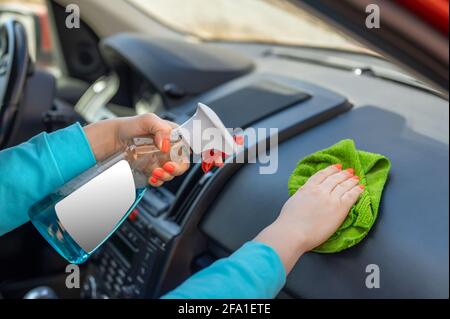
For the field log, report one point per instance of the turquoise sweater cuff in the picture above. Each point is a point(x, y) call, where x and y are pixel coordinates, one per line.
point(254, 271)
point(71, 151)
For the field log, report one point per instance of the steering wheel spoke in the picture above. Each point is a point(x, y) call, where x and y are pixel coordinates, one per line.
point(14, 67)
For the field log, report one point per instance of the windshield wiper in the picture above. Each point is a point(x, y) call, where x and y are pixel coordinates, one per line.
point(356, 67)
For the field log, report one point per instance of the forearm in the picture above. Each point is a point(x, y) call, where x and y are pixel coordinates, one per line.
point(99, 136)
point(253, 271)
point(287, 243)
point(32, 170)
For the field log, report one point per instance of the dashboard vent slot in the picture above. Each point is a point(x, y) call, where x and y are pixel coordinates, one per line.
point(188, 193)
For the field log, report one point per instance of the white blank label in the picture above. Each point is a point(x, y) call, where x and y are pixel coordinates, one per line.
point(92, 212)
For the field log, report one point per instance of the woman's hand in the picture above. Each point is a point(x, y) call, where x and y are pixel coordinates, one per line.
point(312, 214)
point(110, 136)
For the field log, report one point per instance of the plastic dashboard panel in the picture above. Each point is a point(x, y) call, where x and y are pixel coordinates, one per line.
point(257, 101)
point(409, 241)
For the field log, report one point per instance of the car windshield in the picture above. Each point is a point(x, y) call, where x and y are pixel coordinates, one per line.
point(267, 21)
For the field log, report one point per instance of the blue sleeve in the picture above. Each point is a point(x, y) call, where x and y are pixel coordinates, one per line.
point(32, 170)
point(252, 272)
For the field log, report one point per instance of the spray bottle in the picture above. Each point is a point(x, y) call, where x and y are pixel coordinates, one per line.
point(82, 214)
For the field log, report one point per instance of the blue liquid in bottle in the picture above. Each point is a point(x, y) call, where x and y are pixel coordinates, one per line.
point(44, 214)
point(44, 218)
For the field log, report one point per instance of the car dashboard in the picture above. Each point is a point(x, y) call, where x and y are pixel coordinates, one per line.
point(189, 223)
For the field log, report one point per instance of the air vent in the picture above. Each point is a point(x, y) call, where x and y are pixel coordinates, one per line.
point(188, 193)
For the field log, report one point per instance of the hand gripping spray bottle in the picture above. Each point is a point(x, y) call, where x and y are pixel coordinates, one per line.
point(79, 216)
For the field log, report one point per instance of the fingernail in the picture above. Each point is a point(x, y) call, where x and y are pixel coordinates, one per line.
point(351, 171)
point(165, 146)
point(169, 168)
point(238, 139)
point(158, 172)
point(356, 177)
point(153, 180)
point(338, 166)
point(361, 186)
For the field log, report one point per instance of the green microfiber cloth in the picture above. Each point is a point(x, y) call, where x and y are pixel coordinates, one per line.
point(373, 170)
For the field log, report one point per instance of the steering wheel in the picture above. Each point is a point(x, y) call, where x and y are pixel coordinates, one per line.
point(14, 64)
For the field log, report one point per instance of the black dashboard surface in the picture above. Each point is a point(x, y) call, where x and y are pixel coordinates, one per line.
point(409, 241)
